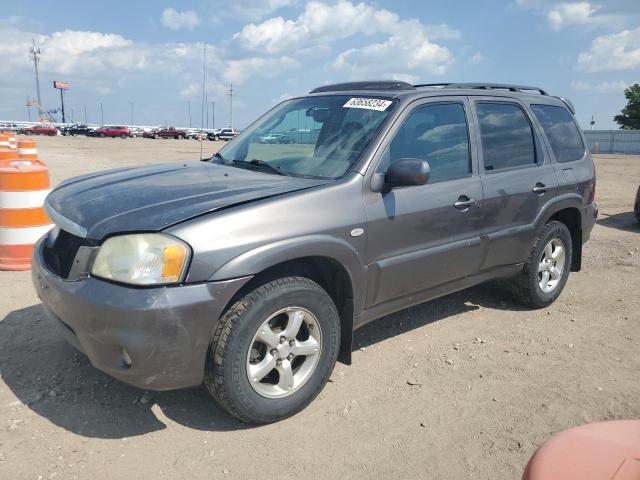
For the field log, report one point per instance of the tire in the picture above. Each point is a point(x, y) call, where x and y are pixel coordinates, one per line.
point(123, 136)
point(102, 135)
point(216, 138)
point(526, 286)
point(228, 360)
point(66, 134)
point(156, 136)
point(180, 137)
point(51, 134)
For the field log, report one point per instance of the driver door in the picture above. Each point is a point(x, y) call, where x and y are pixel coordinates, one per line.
point(420, 237)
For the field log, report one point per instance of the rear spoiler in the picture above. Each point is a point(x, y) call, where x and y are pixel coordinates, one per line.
point(568, 103)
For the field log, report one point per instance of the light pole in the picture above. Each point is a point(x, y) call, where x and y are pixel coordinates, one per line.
point(231, 105)
point(85, 114)
point(213, 114)
point(35, 54)
point(131, 105)
point(189, 104)
point(101, 115)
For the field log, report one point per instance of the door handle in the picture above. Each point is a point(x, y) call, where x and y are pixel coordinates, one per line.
point(539, 189)
point(464, 203)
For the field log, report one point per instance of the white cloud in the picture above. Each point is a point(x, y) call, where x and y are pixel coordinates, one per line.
point(602, 87)
point(477, 58)
point(618, 51)
point(239, 71)
point(571, 14)
point(408, 44)
point(256, 9)
point(405, 77)
point(175, 20)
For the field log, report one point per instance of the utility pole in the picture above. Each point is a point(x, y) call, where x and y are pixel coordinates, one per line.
point(35, 55)
point(131, 105)
point(231, 105)
point(101, 115)
point(29, 107)
point(206, 102)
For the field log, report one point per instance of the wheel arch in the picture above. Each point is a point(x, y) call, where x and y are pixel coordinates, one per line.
point(568, 210)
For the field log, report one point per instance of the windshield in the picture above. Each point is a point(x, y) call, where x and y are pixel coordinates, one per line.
point(312, 137)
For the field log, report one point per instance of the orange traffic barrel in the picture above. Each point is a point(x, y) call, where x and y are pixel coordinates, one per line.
point(606, 450)
point(27, 150)
point(13, 143)
point(24, 185)
point(4, 140)
point(7, 154)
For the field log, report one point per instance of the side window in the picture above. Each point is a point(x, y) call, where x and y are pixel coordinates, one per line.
point(561, 131)
point(506, 135)
point(438, 134)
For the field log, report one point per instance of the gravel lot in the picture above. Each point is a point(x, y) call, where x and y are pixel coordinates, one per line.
point(467, 386)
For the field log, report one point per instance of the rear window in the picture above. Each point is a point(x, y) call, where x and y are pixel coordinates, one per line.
point(562, 132)
point(507, 138)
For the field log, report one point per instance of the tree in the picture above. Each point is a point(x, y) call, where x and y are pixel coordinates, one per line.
point(629, 119)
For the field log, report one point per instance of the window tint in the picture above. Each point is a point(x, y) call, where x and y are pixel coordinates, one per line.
point(561, 131)
point(437, 134)
point(507, 138)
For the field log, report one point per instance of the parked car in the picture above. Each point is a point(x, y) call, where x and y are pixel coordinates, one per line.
point(76, 129)
point(275, 138)
point(112, 131)
point(149, 132)
point(170, 132)
point(40, 130)
point(214, 134)
point(9, 127)
point(251, 273)
point(136, 132)
point(228, 134)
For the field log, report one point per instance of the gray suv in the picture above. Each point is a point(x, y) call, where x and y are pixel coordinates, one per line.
point(250, 271)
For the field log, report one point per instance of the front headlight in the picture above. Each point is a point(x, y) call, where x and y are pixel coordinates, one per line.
point(142, 259)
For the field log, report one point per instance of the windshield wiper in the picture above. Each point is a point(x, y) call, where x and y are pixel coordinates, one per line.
point(261, 164)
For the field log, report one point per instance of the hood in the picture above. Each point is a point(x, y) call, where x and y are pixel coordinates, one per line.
point(154, 198)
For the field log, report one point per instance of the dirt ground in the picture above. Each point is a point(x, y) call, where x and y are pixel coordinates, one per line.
point(467, 386)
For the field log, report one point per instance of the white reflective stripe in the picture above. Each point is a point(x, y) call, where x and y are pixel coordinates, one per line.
point(31, 199)
point(27, 151)
point(22, 236)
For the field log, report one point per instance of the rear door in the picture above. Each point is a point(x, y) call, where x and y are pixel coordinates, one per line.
point(517, 178)
point(423, 236)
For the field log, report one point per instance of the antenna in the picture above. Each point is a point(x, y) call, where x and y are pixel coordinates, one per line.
point(35, 55)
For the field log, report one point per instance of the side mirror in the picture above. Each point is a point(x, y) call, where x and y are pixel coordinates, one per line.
point(407, 172)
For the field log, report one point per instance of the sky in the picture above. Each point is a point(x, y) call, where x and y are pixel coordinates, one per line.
point(145, 57)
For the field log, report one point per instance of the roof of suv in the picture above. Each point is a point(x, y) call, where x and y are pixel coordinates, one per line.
point(406, 91)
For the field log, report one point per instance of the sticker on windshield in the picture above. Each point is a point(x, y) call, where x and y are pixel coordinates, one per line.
point(368, 103)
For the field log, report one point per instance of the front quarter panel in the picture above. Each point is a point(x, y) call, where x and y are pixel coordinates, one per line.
point(246, 239)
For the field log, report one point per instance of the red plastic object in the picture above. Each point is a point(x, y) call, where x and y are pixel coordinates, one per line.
point(598, 451)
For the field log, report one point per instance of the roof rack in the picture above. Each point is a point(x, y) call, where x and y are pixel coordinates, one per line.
point(375, 85)
point(487, 86)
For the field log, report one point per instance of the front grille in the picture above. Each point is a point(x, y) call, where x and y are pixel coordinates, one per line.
point(60, 249)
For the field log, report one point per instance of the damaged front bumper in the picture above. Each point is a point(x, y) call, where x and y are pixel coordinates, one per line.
point(151, 338)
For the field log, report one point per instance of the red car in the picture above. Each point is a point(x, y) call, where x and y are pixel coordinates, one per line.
point(170, 132)
point(112, 131)
point(40, 130)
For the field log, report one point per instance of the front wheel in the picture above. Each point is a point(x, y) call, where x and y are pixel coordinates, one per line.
point(273, 350)
point(546, 270)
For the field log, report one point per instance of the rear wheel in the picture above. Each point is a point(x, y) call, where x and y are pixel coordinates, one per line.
point(124, 135)
point(546, 270)
point(273, 350)
point(102, 135)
